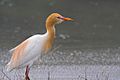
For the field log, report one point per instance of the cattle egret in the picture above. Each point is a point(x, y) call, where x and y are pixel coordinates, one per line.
point(31, 49)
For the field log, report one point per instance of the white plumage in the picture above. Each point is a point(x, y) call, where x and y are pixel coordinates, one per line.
point(31, 49)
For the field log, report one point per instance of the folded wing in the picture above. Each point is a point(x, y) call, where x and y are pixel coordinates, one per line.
point(24, 53)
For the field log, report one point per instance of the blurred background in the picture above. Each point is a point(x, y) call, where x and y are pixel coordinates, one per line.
point(92, 39)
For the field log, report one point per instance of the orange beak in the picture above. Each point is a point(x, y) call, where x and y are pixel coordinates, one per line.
point(67, 19)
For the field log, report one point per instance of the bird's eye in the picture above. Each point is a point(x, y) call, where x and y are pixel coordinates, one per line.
point(59, 17)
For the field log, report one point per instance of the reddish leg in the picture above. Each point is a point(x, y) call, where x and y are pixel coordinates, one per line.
point(27, 73)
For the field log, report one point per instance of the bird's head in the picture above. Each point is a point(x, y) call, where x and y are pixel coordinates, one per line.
point(56, 18)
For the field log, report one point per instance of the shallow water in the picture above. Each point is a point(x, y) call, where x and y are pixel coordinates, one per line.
point(71, 72)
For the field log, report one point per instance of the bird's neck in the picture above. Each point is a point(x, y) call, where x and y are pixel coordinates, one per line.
point(51, 35)
point(50, 30)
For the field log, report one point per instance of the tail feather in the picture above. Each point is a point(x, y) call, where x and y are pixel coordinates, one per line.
point(8, 67)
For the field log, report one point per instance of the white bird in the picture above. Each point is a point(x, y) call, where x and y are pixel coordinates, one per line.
point(31, 49)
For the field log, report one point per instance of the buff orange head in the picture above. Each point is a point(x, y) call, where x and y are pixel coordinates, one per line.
point(56, 18)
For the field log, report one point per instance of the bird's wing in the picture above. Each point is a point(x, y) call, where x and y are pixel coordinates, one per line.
point(25, 52)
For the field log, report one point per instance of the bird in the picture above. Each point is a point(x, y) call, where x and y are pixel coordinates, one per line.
point(31, 49)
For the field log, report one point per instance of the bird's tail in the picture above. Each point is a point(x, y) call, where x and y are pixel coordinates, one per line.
point(8, 67)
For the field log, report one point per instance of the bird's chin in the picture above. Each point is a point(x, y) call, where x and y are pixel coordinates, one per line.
point(60, 21)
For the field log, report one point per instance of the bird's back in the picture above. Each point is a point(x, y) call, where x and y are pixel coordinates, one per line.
point(26, 52)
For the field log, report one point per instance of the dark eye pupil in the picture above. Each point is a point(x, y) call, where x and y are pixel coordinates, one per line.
point(58, 17)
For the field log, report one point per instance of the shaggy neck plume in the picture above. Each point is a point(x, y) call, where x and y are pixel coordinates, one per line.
point(51, 35)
